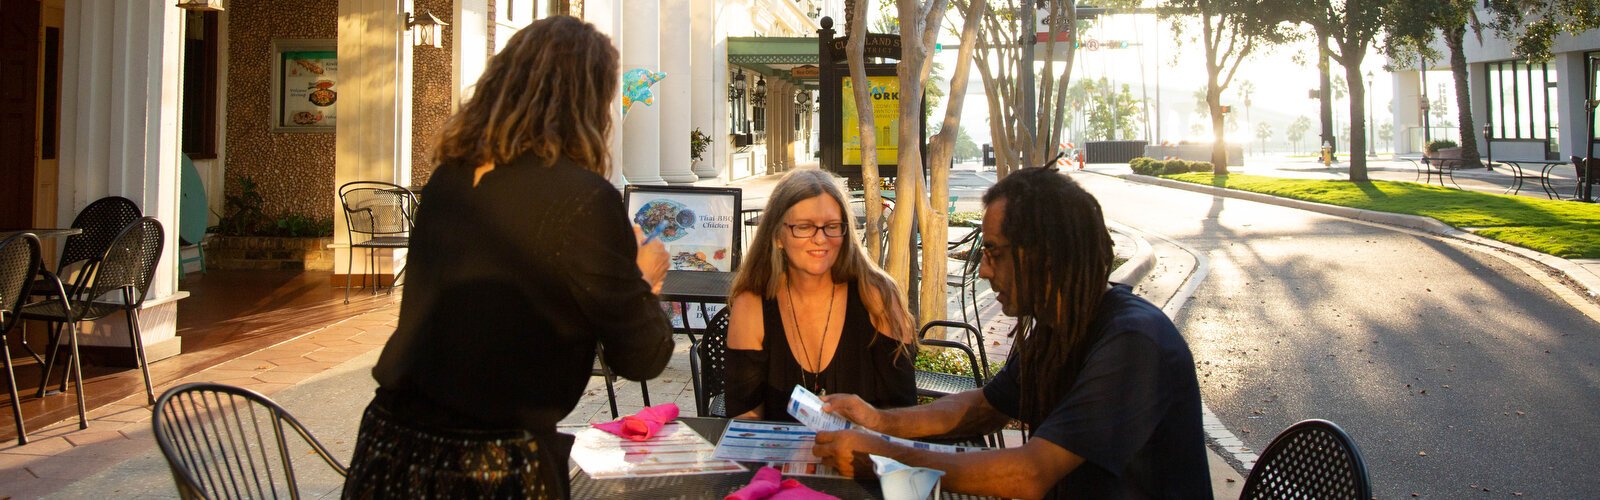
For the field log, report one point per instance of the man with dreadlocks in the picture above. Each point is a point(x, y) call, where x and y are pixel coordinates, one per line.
point(1101, 378)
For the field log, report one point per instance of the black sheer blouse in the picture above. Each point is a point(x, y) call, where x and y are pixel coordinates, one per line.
point(865, 363)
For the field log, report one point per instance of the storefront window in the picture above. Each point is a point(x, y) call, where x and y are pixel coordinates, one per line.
point(1520, 100)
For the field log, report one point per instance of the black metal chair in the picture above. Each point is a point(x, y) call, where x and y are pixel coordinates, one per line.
point(116, 281)
point(383, 213)
point(101, 221)
point(604, 372)
point(708, 368)
point(965, 276)
point(936, 384)
point(222, 441)
point(1584, 167)
point(1310, 459)
point(750, 221)
point(19, 264)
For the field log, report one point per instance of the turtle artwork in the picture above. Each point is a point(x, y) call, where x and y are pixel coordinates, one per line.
point(636, 87)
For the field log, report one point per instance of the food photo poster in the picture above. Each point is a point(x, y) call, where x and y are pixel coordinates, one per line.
point(698, 230)
point(307, 89)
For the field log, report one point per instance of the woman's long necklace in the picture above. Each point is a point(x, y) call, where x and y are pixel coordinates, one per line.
point(816, 378)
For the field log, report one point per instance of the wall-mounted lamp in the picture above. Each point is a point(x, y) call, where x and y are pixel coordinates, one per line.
point(201, 5)
point(815, 13)
point(759, 97)
point(426, 29)
point(736, 88)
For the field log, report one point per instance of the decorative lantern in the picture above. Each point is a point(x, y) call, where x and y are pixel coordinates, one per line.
point(201, 5)
point(426, 29)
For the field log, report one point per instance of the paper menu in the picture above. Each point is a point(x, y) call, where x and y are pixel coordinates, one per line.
point(807, 409)
point(675, 450)
point(750, 441)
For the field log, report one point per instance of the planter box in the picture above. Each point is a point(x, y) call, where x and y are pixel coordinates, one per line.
point(269, 253)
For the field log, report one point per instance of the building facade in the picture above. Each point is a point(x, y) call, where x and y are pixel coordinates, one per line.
point(1526, 110)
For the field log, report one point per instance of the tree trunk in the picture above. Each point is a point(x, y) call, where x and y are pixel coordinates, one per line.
point(1453, 38)
point(934, 305)
point(1325, 94)
point(908, 184)
point(1358, 113)
point(868, 127)
point(1219, 144)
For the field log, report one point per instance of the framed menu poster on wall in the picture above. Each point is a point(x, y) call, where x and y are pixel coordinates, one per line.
point(305, 85)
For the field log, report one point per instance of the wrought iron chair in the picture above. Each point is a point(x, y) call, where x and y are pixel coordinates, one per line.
point(19, 264)
point(101, 221)
point(1310, 459)
point(222, 441)
point(604, 372)
point(750, 221)
point(936, 384)
point(381, 211)
point(1584, 167)
point(965, 275)
point(116, 281)
point(708, 368)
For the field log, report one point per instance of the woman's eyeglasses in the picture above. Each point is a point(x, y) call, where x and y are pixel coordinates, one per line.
point(807, 230)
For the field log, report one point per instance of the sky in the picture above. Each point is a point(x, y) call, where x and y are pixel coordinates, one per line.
point(1158, 62)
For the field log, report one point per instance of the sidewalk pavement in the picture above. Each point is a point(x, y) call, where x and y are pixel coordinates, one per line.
point(323, 378)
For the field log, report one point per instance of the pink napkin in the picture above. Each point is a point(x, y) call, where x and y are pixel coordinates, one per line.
point(792, 490)
point(643, 425)
point(764, 485)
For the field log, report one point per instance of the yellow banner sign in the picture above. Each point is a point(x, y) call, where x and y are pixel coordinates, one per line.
point(885, 91)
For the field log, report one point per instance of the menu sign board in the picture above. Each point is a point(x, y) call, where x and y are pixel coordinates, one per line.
point(307, 89)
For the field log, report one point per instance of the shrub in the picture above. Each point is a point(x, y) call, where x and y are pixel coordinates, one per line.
point(1200, 166)
point(966, 218)
point(1433, 147)
point(1171, 167)
point(1145, 166)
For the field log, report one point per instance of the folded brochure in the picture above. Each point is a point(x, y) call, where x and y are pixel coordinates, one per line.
point(776, 443)
point(675, 450)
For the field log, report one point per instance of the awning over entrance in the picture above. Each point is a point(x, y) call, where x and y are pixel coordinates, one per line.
point(774, 56)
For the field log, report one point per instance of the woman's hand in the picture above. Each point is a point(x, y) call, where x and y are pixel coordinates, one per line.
point(854, 409)
point(653, 260)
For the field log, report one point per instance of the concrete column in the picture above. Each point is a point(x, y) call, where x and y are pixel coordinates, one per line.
point(673, 95)
point(119, 137)
point(705, 83)
point(606, 16)
point(641, 127)
point(372, 137)
point(1570, 97)
point(1478, 92)
point(1407, 98)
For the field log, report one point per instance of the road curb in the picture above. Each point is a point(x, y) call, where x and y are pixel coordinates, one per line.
point(1586, 279)
point(1143, 260)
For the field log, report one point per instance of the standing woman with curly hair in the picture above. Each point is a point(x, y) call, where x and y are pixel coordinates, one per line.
point(521, 262)
point(810, 309)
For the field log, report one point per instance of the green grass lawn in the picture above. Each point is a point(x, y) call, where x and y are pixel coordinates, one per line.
point(1561, 228)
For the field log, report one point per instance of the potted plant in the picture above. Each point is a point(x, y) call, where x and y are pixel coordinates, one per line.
point(249, 239)
point(698, 142)
point(1442, 148)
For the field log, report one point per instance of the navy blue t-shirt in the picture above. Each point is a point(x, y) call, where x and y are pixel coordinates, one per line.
point(1134, 412)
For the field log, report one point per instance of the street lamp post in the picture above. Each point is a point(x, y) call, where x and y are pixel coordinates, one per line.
point(1372, 147)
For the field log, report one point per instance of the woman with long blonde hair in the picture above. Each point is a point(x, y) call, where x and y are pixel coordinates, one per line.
point(522, 261)
point(811, 309)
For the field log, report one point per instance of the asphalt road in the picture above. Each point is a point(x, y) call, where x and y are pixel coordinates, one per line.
point(1456, 373)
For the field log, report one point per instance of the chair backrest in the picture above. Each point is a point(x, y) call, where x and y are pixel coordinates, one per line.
point(377, 208)
point(748, 233)
point(129, 263)
point(710, 361)
point(19, 263)
point(101, 222)
point(1310, 459)
point(966, 249)
point(222, 441)
point(1585, 166)
point(971, 334)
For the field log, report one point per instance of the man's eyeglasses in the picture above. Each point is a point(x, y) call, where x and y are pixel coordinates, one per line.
point(990, 252)
point(807, 230)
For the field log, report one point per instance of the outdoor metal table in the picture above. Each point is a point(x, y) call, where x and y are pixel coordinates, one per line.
point(1427, 168)
point(1519, 173)
point(709, 485)
point(698, 287)
point(43, 233)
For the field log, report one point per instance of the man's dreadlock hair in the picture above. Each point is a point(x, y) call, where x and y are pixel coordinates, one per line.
point(1062, 260)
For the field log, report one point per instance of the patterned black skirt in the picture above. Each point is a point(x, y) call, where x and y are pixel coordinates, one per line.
point(394, 459)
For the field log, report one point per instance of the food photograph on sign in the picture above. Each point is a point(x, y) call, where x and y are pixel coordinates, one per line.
point(696, 229)
point(307, 93)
